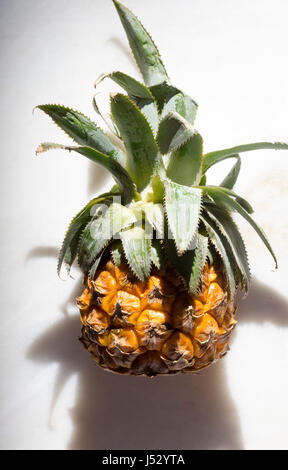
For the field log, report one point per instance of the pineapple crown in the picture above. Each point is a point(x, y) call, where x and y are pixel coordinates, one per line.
point(160, 179)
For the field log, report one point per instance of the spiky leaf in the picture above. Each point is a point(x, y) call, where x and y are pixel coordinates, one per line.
point(222, 199)
point(138, 93)
point(183, 105)
point(182, 205)
point(133, 87)
point(137, 248)
point(100, 231)
point(210, 255)
point(162, 93)
point(171, 99)
point(143, 159)
point(185, 163)
point(230, 179)
point(157, 256)
point(155, 216)
point(177, 135)
point(149, 109)
point(96, 264)
point(144, 50)
point(243, 202)
point(218, 241)
point(120, 175)
point(228, 227)
point(217, 156)
point(83, 130)
point(200, 256)
point(182, 263)
point(107, 118)
point(173, 132)
point(189, 265)
point(70, 243)
point(117, 253)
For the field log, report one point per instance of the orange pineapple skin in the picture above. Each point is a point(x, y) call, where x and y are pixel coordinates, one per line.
point(155, 327)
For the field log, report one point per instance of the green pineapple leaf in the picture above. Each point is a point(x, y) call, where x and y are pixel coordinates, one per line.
point(182, 206)
point(150, 111)
point(184, 166)
point(230, 180)
point(134, 88)
point(182, 263)
point(189, 265)
point(203, 180)
point(99, 232)
point(117, 253)
point(178, 136)
point(173, 132)
point(81, 129)
point(107, 118)
point(155, 215)
point(157, 190)
point(211, 158)
point(95, 264)
point(223, 249)
point(170, 99)
point(70, 243)
point(210, 257)
point(137, 249)
point(243, 202)
point(230, 230)
point(138, 93)
point(181, 104)
point(122, 178)
point(200, 257)
point(144, 50)
point(163, 92)
point(143, 159)
point(223, 199)
point(157, 256)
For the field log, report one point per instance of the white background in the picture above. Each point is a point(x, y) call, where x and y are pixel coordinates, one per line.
point(231, 56)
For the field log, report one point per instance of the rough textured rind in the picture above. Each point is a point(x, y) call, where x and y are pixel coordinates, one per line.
point(155, 327)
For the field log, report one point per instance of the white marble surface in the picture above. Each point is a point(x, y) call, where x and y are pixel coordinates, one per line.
point(231, 57)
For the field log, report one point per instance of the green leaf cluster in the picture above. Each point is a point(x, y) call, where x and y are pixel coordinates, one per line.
point(166, 213)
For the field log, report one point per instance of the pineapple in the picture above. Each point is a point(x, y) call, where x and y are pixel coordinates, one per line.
point(161, 255)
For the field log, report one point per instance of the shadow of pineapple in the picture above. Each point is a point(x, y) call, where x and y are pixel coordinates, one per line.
point(175, 412)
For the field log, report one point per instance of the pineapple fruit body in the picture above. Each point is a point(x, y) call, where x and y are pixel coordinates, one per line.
point(155, 327)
